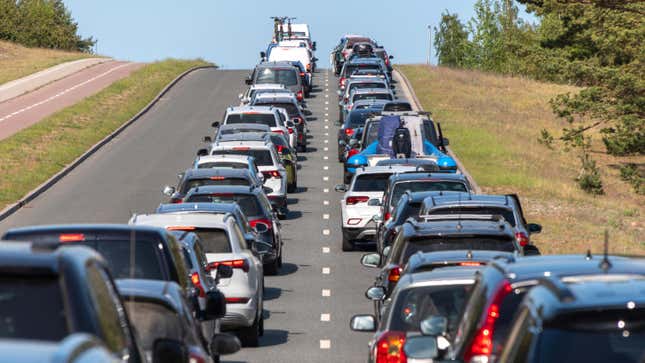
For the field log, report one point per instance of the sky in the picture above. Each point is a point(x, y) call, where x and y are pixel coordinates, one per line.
point(231, 33)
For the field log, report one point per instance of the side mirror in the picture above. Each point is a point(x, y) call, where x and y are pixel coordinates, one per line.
point(374, 202)
point(422, 348)
point(314, 59)
point(215, 304)
point(434, 326)
point(364, 323)
point(263, 55)
point(168, 190)
point(248, 81)
point(202, 152)
point(262, 247)
point(371, 260)
point(260, 228)
point(391, 57)
point(240, 96)
point(339, 92)
point(216, 123)
point(169, 351)
point(180, 176)
point(224, 272)
point(341, 188)
point(534, 228)
point(208, 139)
point(313, 46)
point(224, 344)
point(386, 250)
point(375, 293)
point(446, 142)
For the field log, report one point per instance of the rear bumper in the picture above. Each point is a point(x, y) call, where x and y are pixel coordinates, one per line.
point(366, 234)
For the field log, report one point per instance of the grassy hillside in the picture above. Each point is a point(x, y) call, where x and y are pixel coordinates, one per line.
point(17, 61)
point(493, 123)
point(31, 156)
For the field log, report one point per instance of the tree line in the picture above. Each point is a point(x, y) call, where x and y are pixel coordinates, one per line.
point(41, 23)
point(596, 44)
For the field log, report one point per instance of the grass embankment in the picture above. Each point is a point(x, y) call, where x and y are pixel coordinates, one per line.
point(17, 61)
point(493, 123)
point(33, 155)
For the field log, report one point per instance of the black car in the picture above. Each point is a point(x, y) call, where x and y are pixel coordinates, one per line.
point(603, 317)
point(502, 285)
point(257, 208)
point(354, 120)
point(159, 310)
point(75, 348)
point(209, 176)
point(50, 291)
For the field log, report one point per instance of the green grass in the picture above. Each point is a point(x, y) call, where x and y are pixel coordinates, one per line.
point(33, 155)
point(17, 61)
point(493, 123)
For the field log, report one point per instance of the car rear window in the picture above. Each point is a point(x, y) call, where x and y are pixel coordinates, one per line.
point(287, 77)
point(222, 164)
point(214, 240)
point(251, 118)
point(360, 85)
point(507, 214)
point(32, 307)
point(372, 96)
point(371, 182)
point(417, 304)
point(154, 321)
point(193, 183)
point(262, 156)
point(357, 118)
point(426, 186)
point(350, 68)
point(448, 243)
point(117, 253)
point(292, 110)
point(248, 203)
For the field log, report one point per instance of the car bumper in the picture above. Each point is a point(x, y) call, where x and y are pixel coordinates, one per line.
point(366, 234)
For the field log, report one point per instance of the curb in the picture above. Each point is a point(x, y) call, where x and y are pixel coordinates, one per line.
point(11, 209)
point(417, 104)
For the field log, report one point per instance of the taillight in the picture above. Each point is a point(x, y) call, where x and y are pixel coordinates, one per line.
point(290, 131)
point(176, 201)
point(482, 345)
point(522, 238)
point(356, 199)
point(394, 274)
point(349, 131)
point(264, 221)
point(387, 216)
point(342, 81)
point(308, 67)
point(302, 74)
point(195, 357)
point(349, 107)
point(71, 237)
point(237, 300)
point(272, 174)
point(280, 147)
point(217, 178)
point(278, 132)
point(352, 152)
point(242, 264)
point(389, 348)
point(471, 263)
point(299, 96)
point(194, 278)
point(241, 148)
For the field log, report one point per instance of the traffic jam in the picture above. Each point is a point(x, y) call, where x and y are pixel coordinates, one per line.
point(457, 277)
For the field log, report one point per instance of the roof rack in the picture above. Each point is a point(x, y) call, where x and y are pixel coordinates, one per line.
point(558, 288)
point(475, 217)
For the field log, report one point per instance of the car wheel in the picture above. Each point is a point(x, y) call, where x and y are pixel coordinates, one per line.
point(347, 244)
point(250, 337)
point(293, 186)
point(347, 177)
point(303, 147)
point(272, 268)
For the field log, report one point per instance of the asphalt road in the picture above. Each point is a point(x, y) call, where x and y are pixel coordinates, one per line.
point(309, 305)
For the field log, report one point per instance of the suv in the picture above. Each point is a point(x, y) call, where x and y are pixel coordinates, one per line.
point(248, 95)
point(293, 111)
point(75, 348)
point(264, 115)
point(359, 63)
point(49, 292)
point(229, 161)
point(355, 119)
point(357, 211)
point(268, 161)
point(502, 285)
point(192, 178)
point(603, 316)
point(278, 72)
point(363, 94)
point(466, 203)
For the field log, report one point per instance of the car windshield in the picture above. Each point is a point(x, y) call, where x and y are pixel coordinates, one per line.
point(117, 253)
point(248, 203)
point(287, 77)
point(504, 212)
point(251, 118)
point(359, 85)
point(425, 186)
point(262, 156)
point(447, 243)
point(237, 130)
point(351, 68)
point(223, 164)
point(357, 118)
point(31, 307)
point(372, 133)
point(216, 180)
point(417, 304)
point(614, 336)
point(292, 110)
point(371, 182)
point(214, 240)
point(153, 321)
point(372, 96)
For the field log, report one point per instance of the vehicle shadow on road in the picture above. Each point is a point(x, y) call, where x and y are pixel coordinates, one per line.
point(274, 337)
point(288, 269)
point(272, 293)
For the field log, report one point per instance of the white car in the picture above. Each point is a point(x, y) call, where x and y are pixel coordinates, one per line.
point(273, 117)
point(230, 161)
point(247, 96)
point(292, 54)
point(356, 209)
point(224, 243)
point(268, 162)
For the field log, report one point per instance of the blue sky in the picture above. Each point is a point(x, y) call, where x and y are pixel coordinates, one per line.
point(232, 33)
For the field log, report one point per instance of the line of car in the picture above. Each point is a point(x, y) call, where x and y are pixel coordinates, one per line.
point(458, 277)
point(185, 283)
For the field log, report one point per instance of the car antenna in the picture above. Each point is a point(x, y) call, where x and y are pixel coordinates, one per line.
point(469, 254)
point(588, 256)
point(605, 265)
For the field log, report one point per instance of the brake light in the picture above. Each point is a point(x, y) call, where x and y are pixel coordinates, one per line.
point(194, 357)
point(354, 221)
point(387, 61)
point(272, 174)
point(356, 199)
point(279, 148)
point(194, 278)
point(237, 300)
point(482, 345)
point(522, 238)
point(349, 132)
point(176, 201)
point(217, 178)
point(299, 96)
point(264, 221)
point(279, 132)
point(342, 81)
point(302, 74)
point(241, 148)
point(387, 216)
point(241, 264)
point(352, 152)
point(71, 237)
point(389, 348)
point(349, 107)
point(470, 264)
point(395, 274)
point(180, 228)
point(290, 131)
point(222, 195)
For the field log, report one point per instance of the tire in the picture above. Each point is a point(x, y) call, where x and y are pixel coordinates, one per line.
point(250, 337)
point(272, 268)
point(303, 148)
point(280, 259)
point(291, 188)
point(347, 244)
point(347, 178)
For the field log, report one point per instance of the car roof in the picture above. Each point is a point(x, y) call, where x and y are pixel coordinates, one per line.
point(279, 64)
point(213, 189)
point(421, 176)
point(370, 90)
point(366, 80)
point(274, 97)
point(78, 228)
point(198, 208)
point(36, 258)
point(419, 197)
point(407, 161)
point(268, 86)
point(233, 158)
point(467, 199)
point(385, 169)
point(260, 127)
point(199, 220)
point(453, 274)
point(167, 292)
point(255, 144)
point(211, 172)
point(244, 136)
point(248, 108)
point(423, 258)
point(456, 227)
point(360, 60)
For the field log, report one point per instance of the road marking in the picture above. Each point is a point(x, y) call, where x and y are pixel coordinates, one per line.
point(326, 114)
point(326, 292)
point(326, 232)
point(326, 120)
point(326, 95)
point(326, 141)
point(325, 317)
point(325, 178)
point(325, 202)
point(325, 216)
point(326, 157)
point(326, 133)
point(327, 126)
point(325, 250)
point(326, 148)
point(325, 190)
point(63, 92)
point(326, 270)
point(325, 167)
point(326, 102)
point(325, 344)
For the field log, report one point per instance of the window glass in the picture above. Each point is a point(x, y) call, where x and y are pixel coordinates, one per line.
point(262, 156)
point(214, 240)
point(507, 214)
point(154, 321)
point(372, 96)
point(251, 118)
point(248, 202)
point(287, 77)
point(425, 186)
point(371, 182)
point(193, 183)
point(447, 243)
point(292, 110)
point(223, 164)
point(148, 258)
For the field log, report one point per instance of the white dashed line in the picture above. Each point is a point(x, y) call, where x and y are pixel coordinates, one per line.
point(326, 114)
point(325, 216)
point(325, 344)
point(325, 317)
point(326, 293)
point(326, 232)
point(325, 178)
point(325, 250)
point(325, 202)
point(325, 167)
point(327, 126)
point(326, 157)
point(325, 190)
point(326, 270)
point(326, 102)
point(326, 133)
point(326, 95)
point(326, 148)
point(326, 141)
